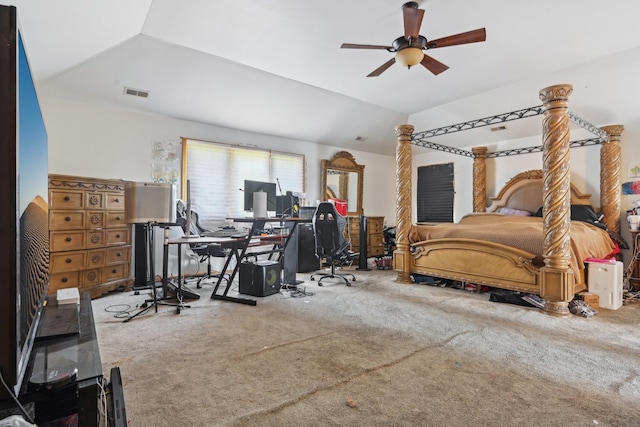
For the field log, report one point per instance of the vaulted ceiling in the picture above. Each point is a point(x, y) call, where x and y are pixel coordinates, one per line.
point(275, 66)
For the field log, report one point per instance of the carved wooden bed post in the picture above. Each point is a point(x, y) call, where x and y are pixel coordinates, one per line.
point(479, 179)
point(402, 254)
point(610, 162)
point(556, 278)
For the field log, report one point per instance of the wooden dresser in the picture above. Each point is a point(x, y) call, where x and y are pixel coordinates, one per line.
point(90, 242)
point(375, 238)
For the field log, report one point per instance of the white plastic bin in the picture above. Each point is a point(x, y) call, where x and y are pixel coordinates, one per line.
point(605, 280)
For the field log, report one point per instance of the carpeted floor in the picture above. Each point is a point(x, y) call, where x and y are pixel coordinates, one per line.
point(377, 353)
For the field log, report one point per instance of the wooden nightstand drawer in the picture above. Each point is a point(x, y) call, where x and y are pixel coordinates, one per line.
point(66, 220)
point(115, 219)
point(375, 251)
point(61, 241)
point(96, 258)
point(376, 239)
point(118, 255)
point(70, 279)
point(67, 261)
point(375, 226)
point(115, 201)
point(65, 199)
point(119, 236)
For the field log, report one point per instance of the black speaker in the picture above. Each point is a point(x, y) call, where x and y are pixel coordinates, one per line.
point(260, 278)
point(307, 259)
point(364, 233)
point(141, 269)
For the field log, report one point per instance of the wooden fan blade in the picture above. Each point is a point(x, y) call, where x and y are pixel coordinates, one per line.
point(433, 65)
point(363, 46)
point(412, 22)
point(381, 69)
point(474, 36)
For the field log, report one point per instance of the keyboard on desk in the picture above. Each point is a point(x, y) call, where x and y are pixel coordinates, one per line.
point(225, 232)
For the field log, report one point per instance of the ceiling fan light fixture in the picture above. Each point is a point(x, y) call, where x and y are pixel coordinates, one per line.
point(410, 56)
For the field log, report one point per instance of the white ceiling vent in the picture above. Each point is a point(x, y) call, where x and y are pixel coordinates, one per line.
point(498, 128)
point(136, 92)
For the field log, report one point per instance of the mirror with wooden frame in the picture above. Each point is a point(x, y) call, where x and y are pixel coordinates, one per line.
point(342, 178)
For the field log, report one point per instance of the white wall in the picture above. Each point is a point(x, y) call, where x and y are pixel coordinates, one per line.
point(102, 142)
point(96, 141)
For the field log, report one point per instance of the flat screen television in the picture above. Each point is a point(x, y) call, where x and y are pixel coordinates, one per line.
point(24, 227)
point(251, 187)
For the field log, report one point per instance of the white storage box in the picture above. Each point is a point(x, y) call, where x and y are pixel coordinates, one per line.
point(605, 280)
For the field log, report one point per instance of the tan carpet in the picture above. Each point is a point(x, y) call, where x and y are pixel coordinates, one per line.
point(375, 354)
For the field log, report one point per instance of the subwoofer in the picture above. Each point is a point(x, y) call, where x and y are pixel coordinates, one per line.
point(149, 202)
point(260, 278)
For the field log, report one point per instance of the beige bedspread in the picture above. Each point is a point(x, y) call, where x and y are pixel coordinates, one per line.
point(520, 232)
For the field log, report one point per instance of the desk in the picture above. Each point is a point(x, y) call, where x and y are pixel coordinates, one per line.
point(283, 244)
point(233, 244)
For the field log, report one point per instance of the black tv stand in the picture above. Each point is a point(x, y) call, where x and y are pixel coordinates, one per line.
point(78, 354)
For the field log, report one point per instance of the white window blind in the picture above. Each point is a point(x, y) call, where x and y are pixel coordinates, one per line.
point(216, 173)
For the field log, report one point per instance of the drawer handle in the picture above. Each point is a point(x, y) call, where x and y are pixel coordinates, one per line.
point(119, 254)
point(117, 236)
point(118, 218)
point(68, 260)
point(68, 239)
point(117, 200)
point(67, 198)
point(68, 218)
point(114, 271)
point(65, 280)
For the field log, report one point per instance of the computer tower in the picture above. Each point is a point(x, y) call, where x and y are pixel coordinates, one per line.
point(605, 280)
point(259, 278)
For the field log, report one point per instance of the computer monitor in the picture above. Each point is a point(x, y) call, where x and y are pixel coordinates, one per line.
point(251, 187)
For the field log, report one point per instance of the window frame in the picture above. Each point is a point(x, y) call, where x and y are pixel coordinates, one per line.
point(236, 165)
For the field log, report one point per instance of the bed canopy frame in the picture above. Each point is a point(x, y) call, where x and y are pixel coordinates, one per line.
point(556, 278)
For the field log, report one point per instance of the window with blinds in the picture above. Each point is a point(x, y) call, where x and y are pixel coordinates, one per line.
point(435, 193)
point(216, 174)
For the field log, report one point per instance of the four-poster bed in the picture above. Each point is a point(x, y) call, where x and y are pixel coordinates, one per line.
point(555, 270)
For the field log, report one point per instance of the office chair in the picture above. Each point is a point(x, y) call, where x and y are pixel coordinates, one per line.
point(205, 251)
point(328, 226)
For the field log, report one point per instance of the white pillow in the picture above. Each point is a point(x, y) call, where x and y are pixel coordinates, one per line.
point(511, 211)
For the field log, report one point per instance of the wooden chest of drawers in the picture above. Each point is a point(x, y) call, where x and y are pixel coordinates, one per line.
point(375, 235)
point(90, 242)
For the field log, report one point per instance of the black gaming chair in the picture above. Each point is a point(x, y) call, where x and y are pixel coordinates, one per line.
point(328, 226)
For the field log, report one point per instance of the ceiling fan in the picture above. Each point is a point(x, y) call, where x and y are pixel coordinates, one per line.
point(409, 48)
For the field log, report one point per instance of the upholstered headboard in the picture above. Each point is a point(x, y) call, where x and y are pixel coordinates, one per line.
point(524, 192)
